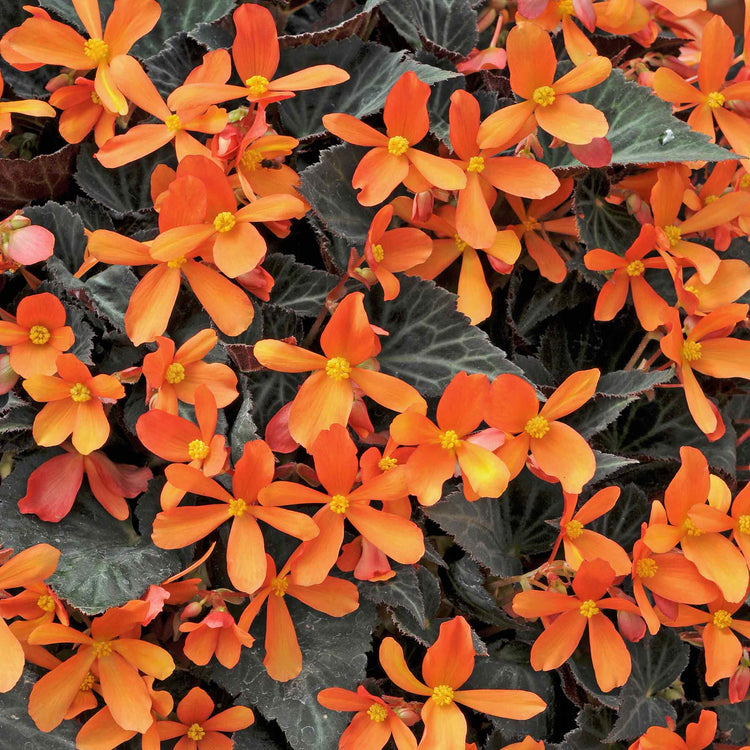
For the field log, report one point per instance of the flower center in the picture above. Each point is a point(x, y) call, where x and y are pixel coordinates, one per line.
point(388, 462)
point(722, 619)
point(279, 586)
point(45, 602)
point(196, 732)
point(745, 181)
point(715, 99)
point(377, 713)
point(87, 683)
point(338, 368)
point(537, 427)
point(237, 507)
point(95, 98)
point(690, 288)
point(449, 440)
point(39, 335)
point(398, 145)
point(173, 123)
point(691, 351)
point(565, 7)
point(636, 268)
point(339, 504)
point(96, 49)
point(102, 648)
point(544, 96)
point(476, 164)
point(224, 222)
point(251, 159)
point(646, 568)
point(690, 528)
point(175, 373)
point(442, 695)
point(257, 85)
point(198, 450)
point(710, 199)
point(573, 529)
point(531, 224)
point(177, 262)
point(378, 253)
point(589, 608)
point(80, 393)
point(460, 244)
point(674, 235)
point(743, 524)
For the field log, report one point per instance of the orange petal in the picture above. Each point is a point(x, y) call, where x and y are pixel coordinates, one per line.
point(395, 536)
point(405, 112)
point(388, 391)
point(335, 458)
point(487, 475)
point(181, 526)
point(724, 358)
point(47, 388)
point(474, 296)
point(565, 455)
point(500, 128)
point(333, 596)
point(239, 251)
point(440, 172)
point(392, 660)
point(512, 403)
point(55, 421)
point(698, 404)
point(43, 40)
point(125, 693)
point(462, 404)
point(558, 641)
point(572, 393)
point(283, 656)
point(531, 604)
point(426, 471)
point(464, 124)
point(91, 428)
point(473, 218)
point(13, 658)
point(584, 76)
point(246, 554)
point(572, 121)
point(166, 435)
point(718, 47)
point(319, 554)
point(151, 304)
point(519, 176)
point(723, 653)
point(378, 174)
point(255, 49)
point(609, 654)
point(348, 333)
point(283, 357)
point(678, 580)
point(352, 130)
point(551, 265)
point(529, 72)
point(508, 704)
point(413, 428)
point(146, 657)
point(720, 561)
point(444, 726)
point(450, 660)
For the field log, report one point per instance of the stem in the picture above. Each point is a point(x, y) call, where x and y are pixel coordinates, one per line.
point(649, 336)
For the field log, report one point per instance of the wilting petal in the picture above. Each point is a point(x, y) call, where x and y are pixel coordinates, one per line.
point(52, 489)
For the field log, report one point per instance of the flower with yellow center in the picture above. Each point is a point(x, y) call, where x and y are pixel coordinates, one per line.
point(237, 507)
point(442, 695)
point(722, 619)
point(97, 50)
point(544, 96)
point(338, 368)
point(173, 123)
point(198, 450)
point(646, 568)
point(460, 244)
point(635, 268)
point(715, 99)
point(449, 440)
point(80, 393)
point(45, 602)
point(257, 85)
point(95, 98)
point(674, 235)
point(589, 608)
point(691, 351)
point(279, 586)
point(39, 335)
point(251, 159)
point(398, 145)
point(691, 529)
point(378, 253)
point(196, 732)
point(175, 373)
point(531, 224)
point(573, 529)
point(377, 713)
point(87, 683)
point(476, 164)
point(224, 222)
point(710, 199)
point(177, 262)
point(743, 524)
point(102, 648)
point(339, 504)
point(537, 427)
point(565, 7)
point(388, 462)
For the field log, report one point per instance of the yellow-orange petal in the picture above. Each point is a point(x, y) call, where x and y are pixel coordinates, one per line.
point(572, 121)
point(610, 656)
point(565, 455)
point(571, 394)
point(392, 660)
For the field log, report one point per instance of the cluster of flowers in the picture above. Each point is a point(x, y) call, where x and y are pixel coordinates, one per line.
point(694, 551)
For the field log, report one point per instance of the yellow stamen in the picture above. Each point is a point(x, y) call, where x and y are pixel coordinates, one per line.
point(237, 507)
point(565, 7)
point(45, 602)
point(102, 648)
point(95, 98)
point(224, 222)
point(198, 450)
point(460, 244)
point(691, 351)
point(377, 713)
point(690, 288)
point(449, 440)
point(531, 224)
point(745, 180)
point(279, 586)
point(710, 199)
point(339, 504)
point(646, 568)
point(177, 262)
point(96, 49)
point(691, 529)
point(388, 462)
point(544, 96)
point(251, 159)
point(398, 145)
point(573, 529)
point(476, 164)
point(715, 100)
point(173, 123)
point(257, 85)
point(175, 373)
point(743, 524)
point(442, 695)
point(537, 426)
point(636, 268)
point(674, 235)
point(378, 253)
point(722, 619)
point(196, 732)
point(39, 335)
point(589, 608)
point(80, 393)
point(338, 368)
point(87, 683)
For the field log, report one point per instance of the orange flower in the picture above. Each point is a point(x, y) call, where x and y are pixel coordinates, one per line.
point(38, 336)
point(256, 57)
point(74, 405)
point(698, 735)
point(325, 398)
point(730, 282)
point(741, 516)
point(82, 112)
point(393, 158)
point(333, 596)
point(335, 457)
point(42, 41)
point(256, 176)
point(145, 139)
point(246, 559)
point(116, 652)
point(485, 174)
point(388, 251)
point(534, 229)
point(696, 527)
point(707, 349)
point(176, 375)
point(216, 634)
point(532, 64)
point(628, 275)
point(27, 568)
point(174, 438)
point(374, 723)
point(447, 665)
point(440, 447)
point(558, 450)
point(31, 107)
point(575, 612)
point(198, 729)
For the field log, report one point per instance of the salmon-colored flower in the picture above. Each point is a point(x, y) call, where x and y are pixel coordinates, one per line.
point(333, 596)
point(246, 560)
point(31, 107)
point(374, 723)
point(558, 450)
point(22, 244)
point(741, 516)
point(325, 398)
point(38, 336)
point(576, 612)
point(708, 349)
point(628, 275)
point(443, 446)
point(393, 158)
point(216, 634)
point(730, 282)
point(260, 169)
point(447, 665)
point(532, 64)
point(113, 648)
point(176, 375)
point(198, 729)
point(41, 41)
point(75, 405)
point(336, 465)
point(698, 736)
point(696, 526)
point(486, 174)
point(255, 52)
point(82, 112)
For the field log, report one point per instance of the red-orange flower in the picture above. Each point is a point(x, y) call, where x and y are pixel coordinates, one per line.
point(216, 634)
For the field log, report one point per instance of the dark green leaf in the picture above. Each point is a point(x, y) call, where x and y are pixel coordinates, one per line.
point(594, 724)
point(16, 415)
point(402, 592)
point(84, 334)
point(631, 382)
point(297, 286)
point(243, 429)
point(425, 631)
point(595, 415)
point(67, 227)
point(623, 523)
point(170, 66)
point(110, 292)
point(607, 464)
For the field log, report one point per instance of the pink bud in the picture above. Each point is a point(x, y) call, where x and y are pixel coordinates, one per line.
point(739, 683)
point(632, 626)
point(422, 205)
